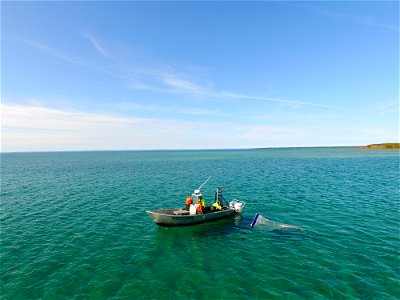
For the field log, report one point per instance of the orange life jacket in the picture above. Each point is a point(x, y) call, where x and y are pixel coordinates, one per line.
point(199, 208)
point(188, 200)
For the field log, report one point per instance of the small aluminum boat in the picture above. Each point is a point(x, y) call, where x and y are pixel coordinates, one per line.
point(182, 217)
point(190, 215)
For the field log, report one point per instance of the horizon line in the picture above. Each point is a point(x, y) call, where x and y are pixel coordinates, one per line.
point(177, 149)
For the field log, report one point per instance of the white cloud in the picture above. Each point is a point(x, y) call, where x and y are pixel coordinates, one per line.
point(30, 128)
point(360, 19)
point(69, 58)
point(33, 128)
point(271, 134)
point(38, 128)
point(58, 53)
point(49, 119)
point(279, 100)
point(166, 79)
point(389, 107)
point(182, 84)
point(96, 45)
point(196, 111)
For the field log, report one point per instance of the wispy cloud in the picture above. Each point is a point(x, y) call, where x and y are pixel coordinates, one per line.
point(41, 128)
point(270, 134)
point(141, 78)
point(360, 19)
point(58, 53)
point(68, 57)
point(164, 79)
point(389, 107)
point(50, 119)
point(282, 101)
point(181, 84)
point(193, 111)
point(96, 45)
point(33, 128)
point(168, 80)
point(363, 20)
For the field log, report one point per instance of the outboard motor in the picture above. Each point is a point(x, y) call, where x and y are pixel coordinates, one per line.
point(236, 205)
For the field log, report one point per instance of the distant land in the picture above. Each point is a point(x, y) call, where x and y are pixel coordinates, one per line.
point(384, 146)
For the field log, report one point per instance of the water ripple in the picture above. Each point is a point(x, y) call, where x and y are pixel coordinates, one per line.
point(74, 225)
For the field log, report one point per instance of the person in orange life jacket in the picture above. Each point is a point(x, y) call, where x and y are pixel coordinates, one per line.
point(188, 202)
point(201, 204)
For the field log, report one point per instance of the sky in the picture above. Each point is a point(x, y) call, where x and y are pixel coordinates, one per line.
point(198, 75)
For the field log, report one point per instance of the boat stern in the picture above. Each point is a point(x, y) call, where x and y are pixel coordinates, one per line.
point(236, 205)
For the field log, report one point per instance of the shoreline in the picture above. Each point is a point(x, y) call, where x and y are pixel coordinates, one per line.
point(385, 146)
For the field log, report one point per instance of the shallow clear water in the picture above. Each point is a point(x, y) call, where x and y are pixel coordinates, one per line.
point(73, 225)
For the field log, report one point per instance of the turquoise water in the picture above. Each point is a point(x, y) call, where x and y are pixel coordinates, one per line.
point(73, 225)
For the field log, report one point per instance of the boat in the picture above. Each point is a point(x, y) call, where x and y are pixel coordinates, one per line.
point(190, 216)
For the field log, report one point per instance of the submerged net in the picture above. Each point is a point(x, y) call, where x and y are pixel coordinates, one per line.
point(272, 225)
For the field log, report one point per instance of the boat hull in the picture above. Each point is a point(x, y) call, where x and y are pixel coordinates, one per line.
point(166, 217)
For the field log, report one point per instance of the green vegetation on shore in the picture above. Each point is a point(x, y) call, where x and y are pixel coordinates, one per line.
point(384, 146)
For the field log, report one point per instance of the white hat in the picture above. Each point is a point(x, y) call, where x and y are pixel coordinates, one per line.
point(197, 193)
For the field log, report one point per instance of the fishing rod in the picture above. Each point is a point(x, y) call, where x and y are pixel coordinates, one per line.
point(204, 183)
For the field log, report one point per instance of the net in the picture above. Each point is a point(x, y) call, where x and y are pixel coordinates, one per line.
point(259, 220)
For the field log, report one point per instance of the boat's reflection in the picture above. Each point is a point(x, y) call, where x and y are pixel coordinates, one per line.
point(207, 230)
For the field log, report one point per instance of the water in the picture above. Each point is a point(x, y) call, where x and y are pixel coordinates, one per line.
point(73, 225)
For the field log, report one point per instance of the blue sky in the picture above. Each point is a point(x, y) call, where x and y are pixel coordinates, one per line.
point(198, 75)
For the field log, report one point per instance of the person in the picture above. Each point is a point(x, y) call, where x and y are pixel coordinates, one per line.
point(216, 206)
point(201, 204)
point(188, 202)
